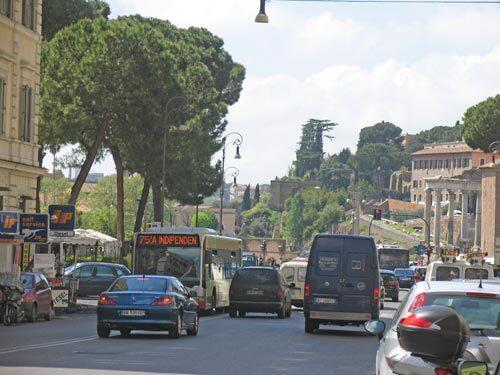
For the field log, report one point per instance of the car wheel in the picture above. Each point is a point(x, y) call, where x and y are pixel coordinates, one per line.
point(242, 313)
point(232, 312)
point(33, 315)
point(395, 299)
point(102, 331)
point(7, 316)
point(282, 312)
point(175, 332)
point(311, 325)
point(50, 314)
point(381, 306)
point(194, 330)
point(125, 332)
point(289, 311)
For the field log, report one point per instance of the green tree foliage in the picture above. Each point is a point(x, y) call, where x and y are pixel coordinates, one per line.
point(309, 156)
point(312, 211)
point(57, 14)
point(256, 194)
point(335, 174)
point(261, 220)
point(99, 206)
point(206, 219)
point(247, 202)
point(374, 162)
point(53, 191)
point(382, 132)
point(481, 124)
point(344, 155)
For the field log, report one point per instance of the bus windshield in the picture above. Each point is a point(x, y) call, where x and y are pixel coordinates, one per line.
point(181, 262)
point(390, 259)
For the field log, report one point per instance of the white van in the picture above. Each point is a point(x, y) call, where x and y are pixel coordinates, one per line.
point(460, 269)
point(294, 273)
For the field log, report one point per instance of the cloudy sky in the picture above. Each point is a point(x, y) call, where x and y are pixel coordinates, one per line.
point(355, 64)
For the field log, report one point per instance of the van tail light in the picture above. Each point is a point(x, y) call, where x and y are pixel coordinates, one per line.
point(443, 371)
point(307, 291)
point(481, 295)
point(376, 295)
point(105, 300)
point(280, 293)
point(202, 305)
point(163, 301)
point(418, 302)
point(414, 320)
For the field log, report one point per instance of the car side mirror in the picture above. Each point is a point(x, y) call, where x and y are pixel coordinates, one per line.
point(292, 285)
point(472, 367)
point(192, 293)
point(375, 327)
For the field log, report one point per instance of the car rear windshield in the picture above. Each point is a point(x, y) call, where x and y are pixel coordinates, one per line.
point(480, 312)
point(146, 284)
point(387, 277)
point(27, 281)
point(256, 276)
point(403, 272)
point(475, 273)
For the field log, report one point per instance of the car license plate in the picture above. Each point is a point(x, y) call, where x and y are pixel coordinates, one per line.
point(324, 300)
point(255, 292)
point(133, 313)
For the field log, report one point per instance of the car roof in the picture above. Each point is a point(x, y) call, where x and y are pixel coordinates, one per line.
point(387, 271)
point(99, 264)
point(352, 236)
point(149, 277)
point(294, 263)
point(458, 286)
point(259, 268)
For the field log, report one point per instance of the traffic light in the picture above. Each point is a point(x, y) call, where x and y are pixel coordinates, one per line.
point(263, 247)
point(377, 214)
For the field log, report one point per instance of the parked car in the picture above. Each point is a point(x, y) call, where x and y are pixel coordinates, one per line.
point(150, 303)
point(259, 289)
point(294, 272)
point(405, 277)
point(94, 277)
point(342, 281)
point(37, 296)
point(478, 305)
point(391, 285)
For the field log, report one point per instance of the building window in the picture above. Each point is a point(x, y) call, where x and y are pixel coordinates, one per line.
point(459, 163)
point(415, 164)
point(414, 197)
point(446, 163)
point(435, 162)
point(481, 162)
point(29, 14)
point(454, 163)
point(419, 197)
point(26, 112)
point(440, 164)
point(3, 85)
point(6, 8)
point(415, 183)
point(466, 163)
point(425, 164)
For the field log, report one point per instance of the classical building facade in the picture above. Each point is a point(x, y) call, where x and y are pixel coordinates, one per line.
point(447, 159)
point(20, 47)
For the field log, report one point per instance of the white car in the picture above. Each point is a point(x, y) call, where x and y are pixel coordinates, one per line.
point(480, 306)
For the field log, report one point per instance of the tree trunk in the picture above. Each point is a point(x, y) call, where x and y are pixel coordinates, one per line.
point(41, 154)
point(120, 200)
point(89, 160)
point(157, 202)
point(142, 206)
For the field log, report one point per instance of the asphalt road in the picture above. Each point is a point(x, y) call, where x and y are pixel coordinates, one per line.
point(258, 344)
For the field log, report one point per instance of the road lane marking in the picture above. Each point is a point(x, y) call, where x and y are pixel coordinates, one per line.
point(47, 345)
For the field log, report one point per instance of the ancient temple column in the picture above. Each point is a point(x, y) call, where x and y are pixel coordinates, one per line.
point(465, 207)
point(477, 227)
point(451, 208)
point(427, 215)
point(437, 219)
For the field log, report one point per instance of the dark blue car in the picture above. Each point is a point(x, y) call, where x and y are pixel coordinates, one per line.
point(405, 277)
point(150, 303)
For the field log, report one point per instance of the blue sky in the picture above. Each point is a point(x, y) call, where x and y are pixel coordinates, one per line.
point(356, 64)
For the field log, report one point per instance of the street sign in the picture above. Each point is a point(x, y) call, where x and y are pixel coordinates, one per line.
point(421, 249)
point(34, 227)
point(62, 217)
point(62, 233)
point(9, 222)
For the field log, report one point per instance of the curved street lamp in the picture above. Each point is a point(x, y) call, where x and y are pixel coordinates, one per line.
point(237, 140)
point(262, 16)
point(234, 174)
point(165, 129)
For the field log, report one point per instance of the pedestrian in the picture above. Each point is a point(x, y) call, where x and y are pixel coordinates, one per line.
point(261, 261)
point(417, 276)
point(273, 262)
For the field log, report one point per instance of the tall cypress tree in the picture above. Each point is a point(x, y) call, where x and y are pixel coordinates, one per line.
point(256, 194)
point(247, 203)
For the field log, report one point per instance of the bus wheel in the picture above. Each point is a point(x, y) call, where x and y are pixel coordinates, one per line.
point(232, 312)
point(242, 313)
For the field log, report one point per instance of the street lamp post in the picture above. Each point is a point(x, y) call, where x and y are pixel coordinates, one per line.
point(235, 173)
point(238, 140)
point(165, 130)
point(199, 197)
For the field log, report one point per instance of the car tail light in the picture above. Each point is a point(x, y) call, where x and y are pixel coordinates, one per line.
point(280, 294)
point(376, 294)
point(414, 320)
point(105, 300)
point(443, 371)
point(307, 291)
point(202, 305)
point(163, 301)
point(481, 295)
point(418, 302)
point(393, 283)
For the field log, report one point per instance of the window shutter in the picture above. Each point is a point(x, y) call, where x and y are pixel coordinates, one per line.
point(30, 131)
point(22, 112)
point(2, 107)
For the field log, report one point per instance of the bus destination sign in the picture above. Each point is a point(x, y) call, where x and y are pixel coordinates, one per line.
point(177, 240)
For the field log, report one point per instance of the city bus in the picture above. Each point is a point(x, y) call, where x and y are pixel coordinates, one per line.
point(201, 259)
point(391, 257)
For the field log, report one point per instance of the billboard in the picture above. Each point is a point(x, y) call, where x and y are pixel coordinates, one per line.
point(9, 222)
point(62, 217)
point(34, 227)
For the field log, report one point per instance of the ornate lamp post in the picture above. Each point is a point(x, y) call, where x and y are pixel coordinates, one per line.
point(234, 173)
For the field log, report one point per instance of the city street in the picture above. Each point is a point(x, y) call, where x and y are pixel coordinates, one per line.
point(258, 344)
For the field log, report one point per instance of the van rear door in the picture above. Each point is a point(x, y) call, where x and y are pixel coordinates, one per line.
point(358, 276)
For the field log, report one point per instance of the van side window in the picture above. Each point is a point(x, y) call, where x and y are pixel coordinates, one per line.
point(327, 263)
point(301, 274)
point(288, 273)
point(445, 273)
